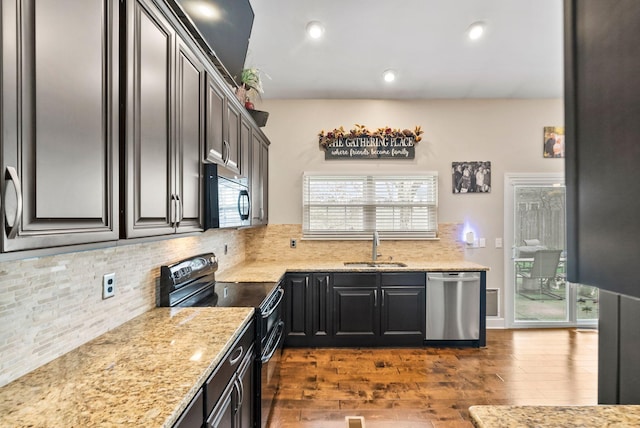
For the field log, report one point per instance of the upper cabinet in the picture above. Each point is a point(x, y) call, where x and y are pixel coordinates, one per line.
point(108, 111)
point(602, 59)
point(165, 127)
point(259, 179)
point(223, 120)
point(59, 123)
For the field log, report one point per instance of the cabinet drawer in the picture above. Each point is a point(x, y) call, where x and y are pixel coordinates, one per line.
point(416, 279)
point(354, 279)
point(217, 382)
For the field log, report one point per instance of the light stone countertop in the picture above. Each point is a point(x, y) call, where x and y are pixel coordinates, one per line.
point(555, 416)
point(273, 271)
point(142, 373)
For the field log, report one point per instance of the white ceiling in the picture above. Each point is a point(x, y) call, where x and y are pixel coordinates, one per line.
point(520, 55)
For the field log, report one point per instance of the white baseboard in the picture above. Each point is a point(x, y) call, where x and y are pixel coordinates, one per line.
point(495, 323)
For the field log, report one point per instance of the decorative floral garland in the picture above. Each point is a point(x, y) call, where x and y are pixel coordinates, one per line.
point(360, 131)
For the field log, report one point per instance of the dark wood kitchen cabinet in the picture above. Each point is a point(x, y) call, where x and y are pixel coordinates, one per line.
point(308, 316)
point(230, 390)
point(355, 309)
point(59, 122)
point(259, 179)
point(403, 305)
point(165, 127)
point(223, 118)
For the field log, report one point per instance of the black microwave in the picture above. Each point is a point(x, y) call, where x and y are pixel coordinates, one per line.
point(226, 200)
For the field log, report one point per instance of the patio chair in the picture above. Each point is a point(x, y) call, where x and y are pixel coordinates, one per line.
point(542, 274)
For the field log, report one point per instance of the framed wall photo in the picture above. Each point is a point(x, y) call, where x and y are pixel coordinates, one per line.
point(553, 142)
point(471, 177)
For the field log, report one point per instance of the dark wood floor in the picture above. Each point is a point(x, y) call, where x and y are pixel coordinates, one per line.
point(427, 387)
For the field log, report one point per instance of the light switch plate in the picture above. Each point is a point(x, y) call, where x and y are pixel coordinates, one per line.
point(498, 242)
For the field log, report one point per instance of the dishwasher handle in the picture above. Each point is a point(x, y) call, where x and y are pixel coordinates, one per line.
point(438, 277)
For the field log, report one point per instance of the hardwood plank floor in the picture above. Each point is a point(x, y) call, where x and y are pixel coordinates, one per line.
point(434, 387)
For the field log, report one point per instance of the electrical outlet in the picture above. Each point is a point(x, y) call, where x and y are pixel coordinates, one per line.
point(108, 285)
point(498, 242)
point(293, 243)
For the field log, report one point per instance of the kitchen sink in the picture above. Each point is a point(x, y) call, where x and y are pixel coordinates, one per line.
point(374, 264)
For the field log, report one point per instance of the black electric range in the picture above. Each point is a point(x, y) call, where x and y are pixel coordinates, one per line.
point(191, 283)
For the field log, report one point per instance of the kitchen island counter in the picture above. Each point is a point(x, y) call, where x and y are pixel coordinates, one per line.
point(555, 416)
point(142, 373)
point(273, 271)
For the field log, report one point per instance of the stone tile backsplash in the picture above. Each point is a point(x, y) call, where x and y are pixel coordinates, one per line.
point(272, 243)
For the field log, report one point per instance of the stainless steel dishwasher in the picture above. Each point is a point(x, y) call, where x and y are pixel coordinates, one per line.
point(453, 306)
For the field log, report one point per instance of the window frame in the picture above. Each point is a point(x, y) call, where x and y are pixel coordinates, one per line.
point(368, 219)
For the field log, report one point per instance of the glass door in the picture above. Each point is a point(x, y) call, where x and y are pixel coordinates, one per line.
point(537, 291)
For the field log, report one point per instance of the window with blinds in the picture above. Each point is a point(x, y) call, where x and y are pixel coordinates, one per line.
point(353, 206)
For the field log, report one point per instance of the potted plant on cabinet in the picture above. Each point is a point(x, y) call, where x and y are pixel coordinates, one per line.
point(251, 86)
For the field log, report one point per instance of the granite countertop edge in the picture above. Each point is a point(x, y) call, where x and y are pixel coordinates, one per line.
point(273, 271)
point(504, 416)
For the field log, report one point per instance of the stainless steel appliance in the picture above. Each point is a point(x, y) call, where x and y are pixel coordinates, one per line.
point(227, 202)
point(191, 282)
point(453, 306)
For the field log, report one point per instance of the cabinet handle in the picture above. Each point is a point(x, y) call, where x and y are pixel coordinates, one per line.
point(326, 284)
point(226, 150)
point(179, 210)
point(382, 298)
point(375, 297)
point(239, 350)
point(240, 393)
point(12, 175)
point(172, 211)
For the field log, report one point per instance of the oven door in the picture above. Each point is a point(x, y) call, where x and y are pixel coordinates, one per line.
point(270, 371)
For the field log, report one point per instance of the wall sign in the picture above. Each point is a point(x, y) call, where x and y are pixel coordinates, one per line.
point(360, 143)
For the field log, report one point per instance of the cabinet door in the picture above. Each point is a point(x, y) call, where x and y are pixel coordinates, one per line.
point(245, 415)
point(215, 114)
point(355, 311)
point(59, 122)
point(232, 138)
point(150, 41)
point(264, 185)
point(403, 311)
point(319, 305)
point(189, 140)
point(245, 148)
point(296, 291)
point(223, 415)
point(259, 180)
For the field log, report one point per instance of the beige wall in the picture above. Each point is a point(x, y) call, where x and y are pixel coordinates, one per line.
point(506, 132)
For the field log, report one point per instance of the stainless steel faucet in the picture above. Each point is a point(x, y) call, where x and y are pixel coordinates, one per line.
point(376, 242)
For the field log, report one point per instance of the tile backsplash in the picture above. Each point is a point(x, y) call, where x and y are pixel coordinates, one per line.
point(271, 243)
point(51, 305)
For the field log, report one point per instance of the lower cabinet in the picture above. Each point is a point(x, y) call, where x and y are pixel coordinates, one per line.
point(355, 309)
point(307, 309)
point(226, 400)
point(235, 406)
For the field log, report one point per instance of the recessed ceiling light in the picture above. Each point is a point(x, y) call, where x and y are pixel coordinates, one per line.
point(476, 30)
point(389, 76)
point(315, 29)
point(204, 10)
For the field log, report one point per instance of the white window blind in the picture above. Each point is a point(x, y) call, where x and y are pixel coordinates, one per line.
point(353, 206)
